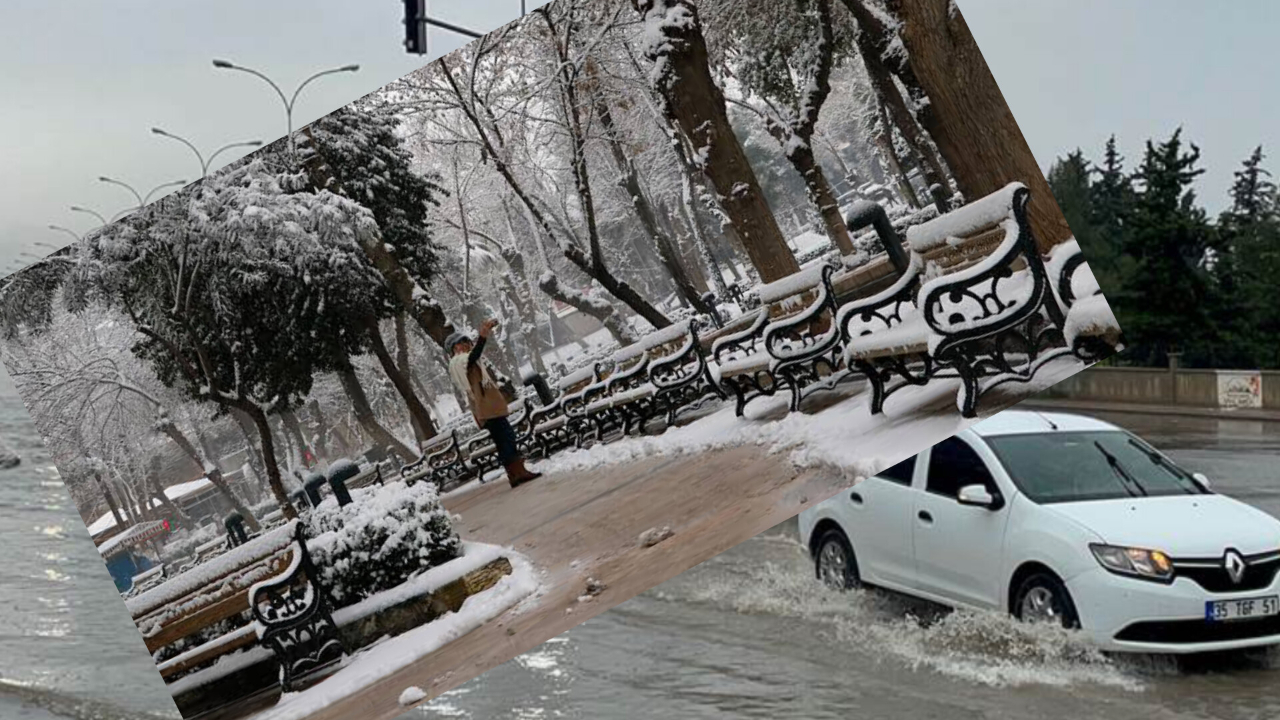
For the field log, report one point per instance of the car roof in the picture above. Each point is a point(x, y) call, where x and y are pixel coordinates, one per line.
point(1029, 422)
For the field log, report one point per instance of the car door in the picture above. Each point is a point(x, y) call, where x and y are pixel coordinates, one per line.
point(879, 522)
point(958, 548)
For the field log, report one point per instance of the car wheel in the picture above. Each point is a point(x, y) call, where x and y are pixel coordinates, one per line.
point(835, 563)
point(1043, 598)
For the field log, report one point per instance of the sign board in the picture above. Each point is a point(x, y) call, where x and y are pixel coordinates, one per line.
point(1239, 389)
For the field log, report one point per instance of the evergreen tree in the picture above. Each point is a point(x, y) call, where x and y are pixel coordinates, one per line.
point(1069, 180)
point(1247, 262)
point(1164, 304)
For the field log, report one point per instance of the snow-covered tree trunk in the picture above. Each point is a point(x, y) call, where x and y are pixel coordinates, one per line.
point(967, 115)
point(596, 307)
point(630, 182)
point(381, 437)
point(874, 45)
point(179, 438)
point(424, 426)
point(682, 77)
point(882, 131)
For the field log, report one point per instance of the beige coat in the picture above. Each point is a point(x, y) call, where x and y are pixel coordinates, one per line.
point(483, 393)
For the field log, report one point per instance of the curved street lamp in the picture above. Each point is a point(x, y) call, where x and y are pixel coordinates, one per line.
point(142, 199)
point(87, 211)
point(205, 163)
point(59, 228)
point(287, 101)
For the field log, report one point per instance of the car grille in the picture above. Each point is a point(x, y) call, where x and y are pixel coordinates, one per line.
point(1209, 573)
point(1188, 632)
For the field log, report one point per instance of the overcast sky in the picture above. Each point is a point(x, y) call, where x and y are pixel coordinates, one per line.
point(84, 80)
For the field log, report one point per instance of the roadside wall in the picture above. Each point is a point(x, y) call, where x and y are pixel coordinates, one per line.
point(1171, 386)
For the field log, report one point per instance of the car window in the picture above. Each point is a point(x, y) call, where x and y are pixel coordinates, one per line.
point(900, 473)
point(1083, 466)
point(953, 464)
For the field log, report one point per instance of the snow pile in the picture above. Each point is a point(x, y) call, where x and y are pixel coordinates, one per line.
point(380, 541)
point(386, 658)
point(844, 437)
point(412, 695)
point(1090, 317)
point(969, 219)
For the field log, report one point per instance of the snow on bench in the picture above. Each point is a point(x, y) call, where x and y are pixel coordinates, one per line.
point(1090, 327)
point(791, 285)
point(979, 215)
point(222, 567)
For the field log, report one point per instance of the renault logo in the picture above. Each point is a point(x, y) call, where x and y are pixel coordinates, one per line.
point(1235, 566)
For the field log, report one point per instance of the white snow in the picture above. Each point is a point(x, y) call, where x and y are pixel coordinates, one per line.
point(793, 284)
point(967, 220)
point(411, 696)
point(382, 660)
point(671, 333)
point(844, 437)
point(1090, 317)
point(220, 567)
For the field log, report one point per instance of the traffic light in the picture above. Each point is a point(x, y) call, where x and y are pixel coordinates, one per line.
point(415, 26)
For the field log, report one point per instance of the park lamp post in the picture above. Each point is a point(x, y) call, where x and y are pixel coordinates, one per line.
point(59, 228)
point(86, 211)
point(142, 199)
point(205, 163)
point(287, 101)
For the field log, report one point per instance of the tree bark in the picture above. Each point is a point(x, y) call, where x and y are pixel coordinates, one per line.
point(211, 471)
point(322, 428)
point(111, 501)
point(967, 115)
point(274, 480)
point(605, 312)
point(696, 104)
point(248, 429)
point(363, 410)
point(874, 41)
point(629, 181)
point(884, 141)
point(290, 420)
point(423, 424)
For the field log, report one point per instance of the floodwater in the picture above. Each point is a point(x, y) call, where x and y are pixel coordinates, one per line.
point(751, 634)
point(748, 634)
point(67, 647)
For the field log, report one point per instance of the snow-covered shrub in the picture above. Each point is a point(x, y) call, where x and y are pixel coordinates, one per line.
point(379, 541)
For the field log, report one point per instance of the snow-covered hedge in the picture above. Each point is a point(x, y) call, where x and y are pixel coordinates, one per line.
point(379, 541)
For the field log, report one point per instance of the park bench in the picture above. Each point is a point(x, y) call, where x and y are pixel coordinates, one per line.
point(1089, 327)
point(273, 580)
point(791, 342)
point(662, 374)
point(559, 425)
point(972, 304)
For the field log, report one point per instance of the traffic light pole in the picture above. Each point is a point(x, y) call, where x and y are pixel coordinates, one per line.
point(417, 19)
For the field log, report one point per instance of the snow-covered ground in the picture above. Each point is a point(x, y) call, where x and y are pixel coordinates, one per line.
point(820, 439)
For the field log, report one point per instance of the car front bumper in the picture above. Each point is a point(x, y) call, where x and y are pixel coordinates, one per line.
point(1131, 615)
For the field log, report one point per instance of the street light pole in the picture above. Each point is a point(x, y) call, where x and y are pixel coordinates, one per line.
point(87, 211)
point(59, 228)
point(204, 164)
point(142, 199)
point(287, 101)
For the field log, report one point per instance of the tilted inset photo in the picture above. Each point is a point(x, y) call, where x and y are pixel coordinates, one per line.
point(537, 327)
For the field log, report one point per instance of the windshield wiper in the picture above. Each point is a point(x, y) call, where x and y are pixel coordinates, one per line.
point(1160, 460)
point(1130, 481)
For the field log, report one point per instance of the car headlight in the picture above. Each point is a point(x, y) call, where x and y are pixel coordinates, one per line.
point(1137, 562)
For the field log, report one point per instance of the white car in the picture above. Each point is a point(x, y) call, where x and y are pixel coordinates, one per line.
point(1064, 519)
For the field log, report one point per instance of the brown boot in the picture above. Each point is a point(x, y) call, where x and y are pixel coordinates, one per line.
point(518, 474)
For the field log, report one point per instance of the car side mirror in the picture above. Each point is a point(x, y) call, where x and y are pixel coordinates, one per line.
point(1202, 479)
point(978, 496)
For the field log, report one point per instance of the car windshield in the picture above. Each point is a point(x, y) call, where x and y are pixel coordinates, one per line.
point(1077, 466)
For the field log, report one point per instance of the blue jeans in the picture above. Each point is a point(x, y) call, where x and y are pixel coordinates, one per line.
point(504, 437)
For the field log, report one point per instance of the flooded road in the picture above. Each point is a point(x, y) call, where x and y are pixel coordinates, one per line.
point(750, 634)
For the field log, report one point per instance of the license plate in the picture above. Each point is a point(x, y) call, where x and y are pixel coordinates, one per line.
point(1245, 609)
